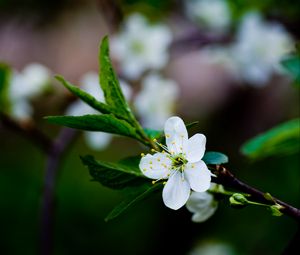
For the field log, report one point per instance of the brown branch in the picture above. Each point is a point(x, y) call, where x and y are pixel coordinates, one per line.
point(226, 178)
point(28, 130)
point(58, 150)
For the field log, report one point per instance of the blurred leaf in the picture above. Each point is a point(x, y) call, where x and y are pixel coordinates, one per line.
point(215, 158)
point(104, 123)
point(136, 195)
point(280, 140)
point(114, 175)
point(292, 65)
point(84, 96)
point(5, 73)
point(109, 82)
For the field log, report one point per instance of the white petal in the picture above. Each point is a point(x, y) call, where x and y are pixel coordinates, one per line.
point(176, 135)
point(157, 166)
point(176, 191)
point(202, 204)
point(198, 176)
point(195, 148)
point(199, 200)
point(97, 140)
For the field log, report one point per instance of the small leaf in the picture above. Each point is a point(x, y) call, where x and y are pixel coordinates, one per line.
point(275, 210)
point(268, 196)
point(192, 124)
point(280, 140)
point(109, 82)
point(104, 123)
point(114, 175)
point(136, 196)
point(215, 158)
point(84, 96)
point(292, 65)
point(5, 73)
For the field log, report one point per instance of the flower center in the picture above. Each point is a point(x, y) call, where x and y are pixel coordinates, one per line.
point(137, 47)
point(178, 162)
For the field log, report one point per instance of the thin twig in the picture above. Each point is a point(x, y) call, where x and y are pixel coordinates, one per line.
point(58, 149)
point(30, 131)
point(226, 178)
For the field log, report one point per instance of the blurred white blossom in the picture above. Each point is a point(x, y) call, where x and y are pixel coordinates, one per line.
point(141, 46)
point(24, 86)
point(213, 248)
point(212, 14)
point(156, 101)
point(202, 205)
point(259, 47)
point(90, 83)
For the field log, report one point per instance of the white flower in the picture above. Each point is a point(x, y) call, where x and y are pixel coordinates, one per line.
point(90, 83)
point(202, 205)
point(180, 163)
point(156, 101)
point(141, 46)
point(212, 14)
point(24, 86)
point(213, 248)
point(259, 48)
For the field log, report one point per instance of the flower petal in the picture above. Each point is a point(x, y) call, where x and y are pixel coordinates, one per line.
point(202, 204)
point(198, 176)
point(195, 148)
point(157, 166)
point(176, 135)
point(176, 191)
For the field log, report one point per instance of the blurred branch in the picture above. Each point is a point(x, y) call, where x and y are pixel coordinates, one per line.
point(226, 178)
point(58, 149)
point(112, 13)
point(28, 130)
point(196, 40)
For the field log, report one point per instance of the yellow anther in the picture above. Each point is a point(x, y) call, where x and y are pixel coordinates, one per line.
point(151, 167)
point(167, 135)
point(153, 182)
point(158, 159)
point(173, 142)
point(150, 162)
point(154, 140)
point(193, 166)
point(142, 155)
point(164, 183)
point(152, 150)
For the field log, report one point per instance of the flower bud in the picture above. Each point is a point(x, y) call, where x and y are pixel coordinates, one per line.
point(238, 200)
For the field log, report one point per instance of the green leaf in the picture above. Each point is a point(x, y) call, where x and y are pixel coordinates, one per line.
point(114, 175)
point(283, 139)
point(84, 96)
point(104, 123)
point(137, 195)
point(153, 134)
point(292, 65)
point(5, 73)
point(109, 82)
point(214, 158)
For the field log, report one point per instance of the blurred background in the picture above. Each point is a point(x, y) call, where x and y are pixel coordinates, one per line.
point(216, 62)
